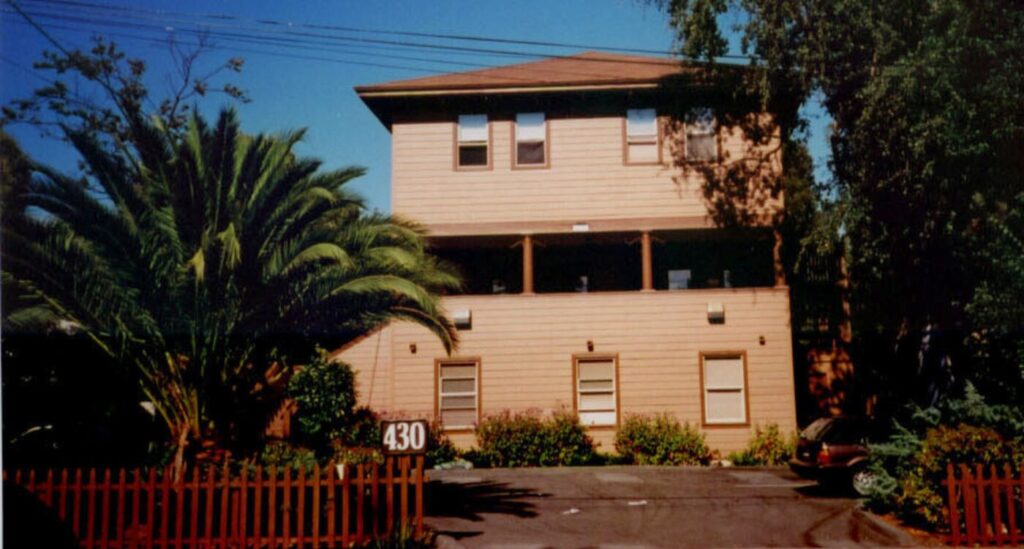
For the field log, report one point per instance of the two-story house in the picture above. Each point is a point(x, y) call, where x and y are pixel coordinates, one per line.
point(595, 277)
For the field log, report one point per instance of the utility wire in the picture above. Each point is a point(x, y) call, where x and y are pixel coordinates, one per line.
point(224, 21)
point(305, 43)
point(291, 24)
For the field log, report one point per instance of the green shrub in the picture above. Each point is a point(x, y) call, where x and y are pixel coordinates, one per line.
point(526, 439)
point(567, 441)
point(439, 447)
point(325, 395)
point(766, 447)
point(911, 463)
point(660, 440)
point(920, 499)
point(284, 455)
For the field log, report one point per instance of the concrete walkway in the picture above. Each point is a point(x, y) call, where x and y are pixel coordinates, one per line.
point(645, 507)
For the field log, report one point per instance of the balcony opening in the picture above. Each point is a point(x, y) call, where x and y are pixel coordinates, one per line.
point(600, 262)
point(488, 265)
point(712, 259)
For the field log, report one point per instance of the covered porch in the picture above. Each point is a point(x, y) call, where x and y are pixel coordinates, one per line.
point(614, 261)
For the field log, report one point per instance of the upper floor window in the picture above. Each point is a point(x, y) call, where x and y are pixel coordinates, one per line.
point(701, 139)
point(473, 141)
point(642, 138)
point(531, 139)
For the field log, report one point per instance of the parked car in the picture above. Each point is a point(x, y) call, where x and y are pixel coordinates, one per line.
point(834, 452)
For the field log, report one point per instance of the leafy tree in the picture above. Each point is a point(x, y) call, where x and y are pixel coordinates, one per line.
point(206, 263)
point(927, 131)
point(102, 91)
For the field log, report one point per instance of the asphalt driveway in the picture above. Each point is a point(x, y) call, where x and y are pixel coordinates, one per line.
point(645, 507)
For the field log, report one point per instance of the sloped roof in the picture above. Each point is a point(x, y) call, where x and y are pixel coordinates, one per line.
point(583, 69)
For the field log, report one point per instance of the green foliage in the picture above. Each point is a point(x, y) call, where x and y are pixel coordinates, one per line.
point(325, 394)
point(925, 139)
point(403, 537)
point(283, 454)
point(206, 262)
point(440, 448)
point(526, 439)
point(911, 463)
point(920, 497)
point(660, 440)
point(766, 447)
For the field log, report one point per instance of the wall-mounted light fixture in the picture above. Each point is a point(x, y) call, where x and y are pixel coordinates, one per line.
point(581, 227)
point(463, 319)
point(760, 340)
point(716, 313)
point(590, 345)
point(412, 348)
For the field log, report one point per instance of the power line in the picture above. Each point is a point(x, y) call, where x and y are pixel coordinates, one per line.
point(462, 37)
point(305, 42)
point(230, 21)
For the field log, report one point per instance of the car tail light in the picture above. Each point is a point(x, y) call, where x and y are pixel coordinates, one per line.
point(824, 457)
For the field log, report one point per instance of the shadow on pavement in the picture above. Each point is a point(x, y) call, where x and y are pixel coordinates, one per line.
point(827, 491)
point(471, 499)
point(29, 523)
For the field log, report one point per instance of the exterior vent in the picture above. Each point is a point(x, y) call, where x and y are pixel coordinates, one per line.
point(463, 319)
point(716, 313)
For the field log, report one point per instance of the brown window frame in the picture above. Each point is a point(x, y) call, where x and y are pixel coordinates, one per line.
point(742, 355)
point(515, 145)
point(659, 141)
point(614, 357)
point(456, 145)
point(456, 361)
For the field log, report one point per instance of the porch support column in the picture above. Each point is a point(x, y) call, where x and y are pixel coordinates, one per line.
point(527, 264)
point(778, 267)
point(647, 279)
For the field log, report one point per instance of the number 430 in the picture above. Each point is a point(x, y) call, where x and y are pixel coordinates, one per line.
point(405, 436)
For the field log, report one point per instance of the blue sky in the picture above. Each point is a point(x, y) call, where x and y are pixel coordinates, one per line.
point(290, 93)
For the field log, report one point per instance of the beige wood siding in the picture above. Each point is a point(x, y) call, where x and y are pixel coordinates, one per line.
point(526, 346)
point(587, 178)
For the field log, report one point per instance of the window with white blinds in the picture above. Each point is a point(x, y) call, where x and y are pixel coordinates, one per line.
point(458, 394)
point(701, 138)
point(725, 399)
point(596, 401)
point(473, 140)
point(531, 139)
point(642, 136)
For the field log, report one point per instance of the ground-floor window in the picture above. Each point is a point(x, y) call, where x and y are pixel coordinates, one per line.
point(458, 393)
point(596, 387)
point(724, 380)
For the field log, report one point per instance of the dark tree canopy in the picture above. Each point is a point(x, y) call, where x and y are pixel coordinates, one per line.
point(928, 175)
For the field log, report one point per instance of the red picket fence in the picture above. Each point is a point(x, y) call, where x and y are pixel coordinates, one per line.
point(268, 508)
point(986, 510)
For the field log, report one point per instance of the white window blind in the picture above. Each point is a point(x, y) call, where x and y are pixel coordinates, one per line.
point(595, 391)
point(457, 394)
point(724, 390)
point(472, 128)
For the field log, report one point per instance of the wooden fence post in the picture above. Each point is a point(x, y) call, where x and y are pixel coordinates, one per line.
point(954, 504)
point(1011, 508)
point(420, 466)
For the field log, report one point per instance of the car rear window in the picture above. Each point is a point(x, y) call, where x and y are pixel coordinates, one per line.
point(834, 430)
point(816, 429)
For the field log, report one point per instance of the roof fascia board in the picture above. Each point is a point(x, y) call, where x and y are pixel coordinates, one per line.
point(504, 90)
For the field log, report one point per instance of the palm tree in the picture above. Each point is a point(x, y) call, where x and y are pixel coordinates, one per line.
point(208, 263)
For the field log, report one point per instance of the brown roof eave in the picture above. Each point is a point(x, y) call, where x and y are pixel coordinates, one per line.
point(468, 89)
